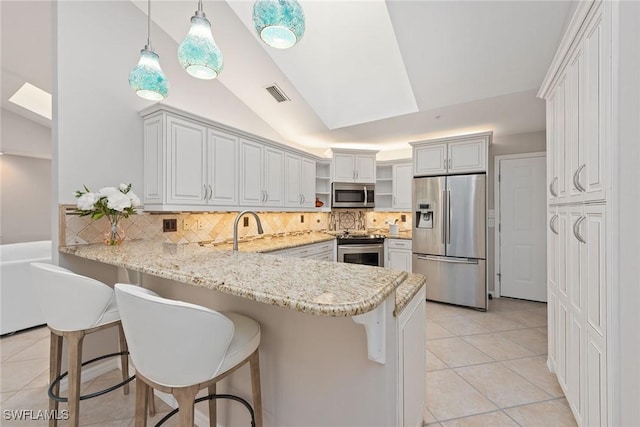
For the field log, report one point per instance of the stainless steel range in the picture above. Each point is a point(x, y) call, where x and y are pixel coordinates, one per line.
point(361, 249)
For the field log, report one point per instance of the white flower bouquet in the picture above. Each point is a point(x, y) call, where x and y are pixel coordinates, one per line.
point(114, 203)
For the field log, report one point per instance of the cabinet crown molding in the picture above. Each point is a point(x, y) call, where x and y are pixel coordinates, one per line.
point(353, 151)
point(486, 135)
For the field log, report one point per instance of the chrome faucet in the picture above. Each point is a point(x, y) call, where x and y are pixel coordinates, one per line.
point(235, 227)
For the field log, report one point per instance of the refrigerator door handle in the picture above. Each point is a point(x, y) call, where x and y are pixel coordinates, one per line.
point(444, 216)
point(446, 259)
point(448, 217)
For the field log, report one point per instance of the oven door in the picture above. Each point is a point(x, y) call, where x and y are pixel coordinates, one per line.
point(362, 254)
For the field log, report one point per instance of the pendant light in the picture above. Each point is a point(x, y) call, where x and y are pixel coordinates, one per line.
point(147, 78)
point(280, 23)
point(198, 53)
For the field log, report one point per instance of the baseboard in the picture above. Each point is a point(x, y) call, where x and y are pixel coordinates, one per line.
point(92, 372)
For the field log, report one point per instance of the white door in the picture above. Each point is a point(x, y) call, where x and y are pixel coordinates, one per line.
point(523, 265)
point(308, 182)
point(344, 167)
point(467, 156)
point(430, 160)
point(187, 159)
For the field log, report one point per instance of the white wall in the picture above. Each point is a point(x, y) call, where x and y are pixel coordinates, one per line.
point(26, 199)
point(502, 145)
point(25, 176)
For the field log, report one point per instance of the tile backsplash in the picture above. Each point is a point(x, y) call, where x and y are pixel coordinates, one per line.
point(218, 226)
point(215, 226)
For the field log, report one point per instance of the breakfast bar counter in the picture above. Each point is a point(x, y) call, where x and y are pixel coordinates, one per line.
point(342, 344)
point(305, 285)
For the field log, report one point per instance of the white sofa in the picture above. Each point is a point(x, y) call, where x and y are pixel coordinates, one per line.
point(19, 306)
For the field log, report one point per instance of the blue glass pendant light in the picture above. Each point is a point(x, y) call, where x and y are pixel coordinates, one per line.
point(280, 23)
point(147, 78)
point(198, 53)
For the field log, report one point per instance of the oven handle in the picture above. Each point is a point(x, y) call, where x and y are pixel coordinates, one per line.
point(361, 247)
point(365, 196)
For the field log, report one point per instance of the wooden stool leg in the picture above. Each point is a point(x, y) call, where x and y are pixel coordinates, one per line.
point(213, 407)
point(124, 359)
point(186, 397)
point(55, 361)
point(152, 403)
point(75, 361)
point(254, 364)
point(142, 390)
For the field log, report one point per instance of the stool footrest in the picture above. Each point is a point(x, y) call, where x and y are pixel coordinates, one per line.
point(94, 394)
point(211, 397)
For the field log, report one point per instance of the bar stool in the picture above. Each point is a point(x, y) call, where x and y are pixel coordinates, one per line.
point(182, 348)
point(75, 306)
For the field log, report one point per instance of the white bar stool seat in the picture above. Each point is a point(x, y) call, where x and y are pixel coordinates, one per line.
point(181, 348)
point(75, 306)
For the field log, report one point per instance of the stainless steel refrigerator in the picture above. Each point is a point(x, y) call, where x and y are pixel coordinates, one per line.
point(449, 235)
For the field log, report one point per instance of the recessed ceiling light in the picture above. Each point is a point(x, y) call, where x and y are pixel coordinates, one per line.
point(33, 99)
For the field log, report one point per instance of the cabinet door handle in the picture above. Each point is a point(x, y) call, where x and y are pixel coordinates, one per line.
point(304, 199)
point(206, 192)
point(210, 192)
point(551, 221)
point(266, 196)
point(449, 163)
point(577, 178)
point(576, 229)
point(551, 190)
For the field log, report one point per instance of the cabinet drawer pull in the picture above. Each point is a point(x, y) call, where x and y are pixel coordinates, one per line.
point(577, 178)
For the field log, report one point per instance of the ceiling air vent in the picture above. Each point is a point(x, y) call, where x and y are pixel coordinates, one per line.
point(277, 93)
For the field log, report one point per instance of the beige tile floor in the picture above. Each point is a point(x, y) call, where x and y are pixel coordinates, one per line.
point(483, 369)
point(489, 369)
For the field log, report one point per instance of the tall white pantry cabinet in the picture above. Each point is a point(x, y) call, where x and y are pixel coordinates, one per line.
point(577, 90)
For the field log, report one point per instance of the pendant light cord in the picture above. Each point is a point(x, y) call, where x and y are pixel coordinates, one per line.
point(149, 25)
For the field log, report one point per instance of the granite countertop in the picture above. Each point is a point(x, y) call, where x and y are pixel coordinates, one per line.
point(407, 290)
point(267, 244)
point(316, 287)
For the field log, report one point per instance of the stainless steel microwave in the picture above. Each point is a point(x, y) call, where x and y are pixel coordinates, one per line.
point(351, 195)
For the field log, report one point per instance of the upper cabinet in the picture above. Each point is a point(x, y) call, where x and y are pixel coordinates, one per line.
point(300, 181)
point(354, 166)
point(577, 116)
point(447, 156)
point(393, 185)
point(193, 165)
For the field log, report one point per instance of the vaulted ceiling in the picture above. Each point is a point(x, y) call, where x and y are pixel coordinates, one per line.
point(368, 73)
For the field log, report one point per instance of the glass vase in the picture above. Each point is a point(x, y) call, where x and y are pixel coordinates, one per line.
point(115, 233)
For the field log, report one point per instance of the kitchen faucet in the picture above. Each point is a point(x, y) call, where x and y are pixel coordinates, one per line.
point(235, 227)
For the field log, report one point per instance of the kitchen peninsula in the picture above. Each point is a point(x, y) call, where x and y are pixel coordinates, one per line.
point(320, 367)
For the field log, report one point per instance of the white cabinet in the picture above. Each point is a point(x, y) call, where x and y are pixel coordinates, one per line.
point(300, 181)
point(186, 162)
point(461, 154)
point(412, 362)
point(192, 164)
point(354, 166)
point(578, 143)
point(222, 169)
point(251, 173)
point(578, 118)
point(324, 251)
point(188, 166)
point(393, 185)
point(273, 177)
point(398, 254)
point(402, 180)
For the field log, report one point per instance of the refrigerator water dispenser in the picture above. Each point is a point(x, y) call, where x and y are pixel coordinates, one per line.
point(424, 216)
